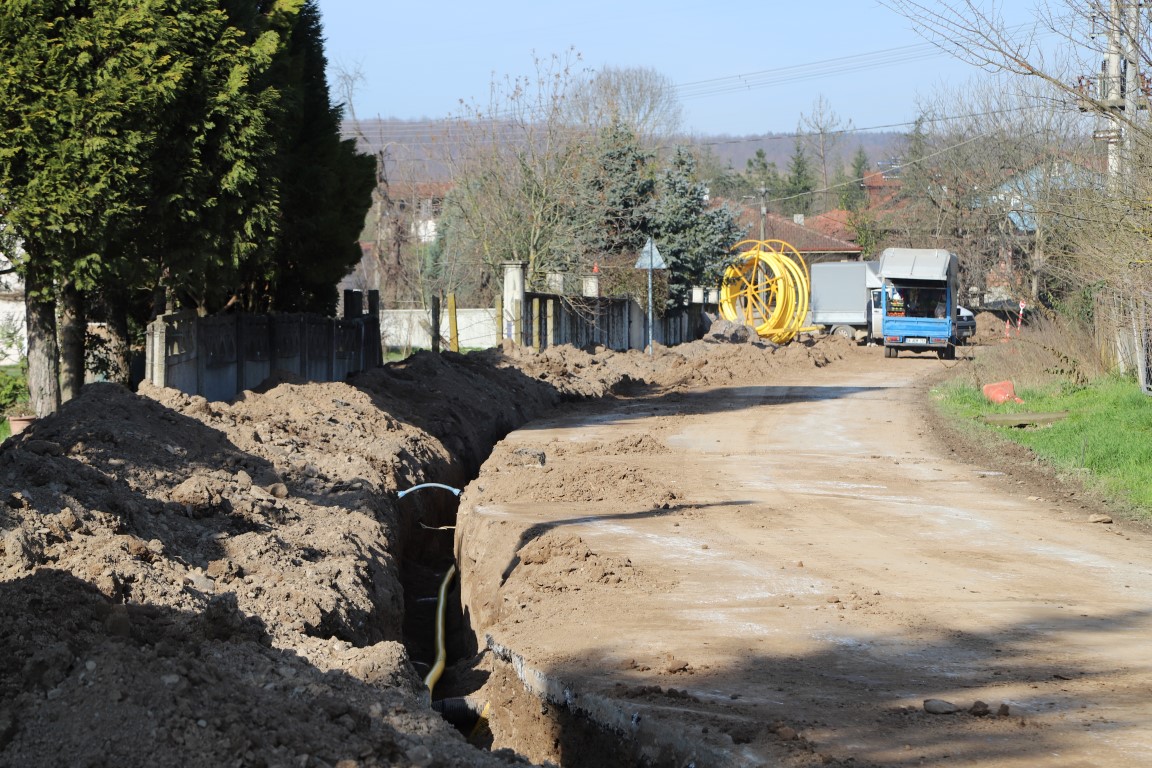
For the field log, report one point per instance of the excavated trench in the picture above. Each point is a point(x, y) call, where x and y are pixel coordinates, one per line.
point(474, 677)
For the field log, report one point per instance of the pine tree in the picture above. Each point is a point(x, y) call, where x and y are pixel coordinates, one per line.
point(693, 238)
point(853, 197)
point(613, 203)
point(800, 182)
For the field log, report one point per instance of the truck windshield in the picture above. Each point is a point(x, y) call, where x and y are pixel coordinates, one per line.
point(917, 301)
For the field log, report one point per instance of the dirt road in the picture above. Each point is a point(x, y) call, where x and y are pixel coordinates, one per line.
point(784, 573)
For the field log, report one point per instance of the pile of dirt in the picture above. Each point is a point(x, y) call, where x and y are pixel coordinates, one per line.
point(185, 582)
point(706, 363)
point(990, 328)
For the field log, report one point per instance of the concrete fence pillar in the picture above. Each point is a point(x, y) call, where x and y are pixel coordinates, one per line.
point(591, 285)
point(513, 299)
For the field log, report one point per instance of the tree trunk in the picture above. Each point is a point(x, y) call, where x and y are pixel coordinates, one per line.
point(43, 353)
point(73, 325)
point(119, 348)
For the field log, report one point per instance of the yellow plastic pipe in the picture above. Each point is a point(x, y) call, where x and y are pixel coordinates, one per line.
point(766, 287)
point(433, 675)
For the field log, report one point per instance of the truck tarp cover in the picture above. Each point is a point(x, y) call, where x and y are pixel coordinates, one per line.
point(915, 264)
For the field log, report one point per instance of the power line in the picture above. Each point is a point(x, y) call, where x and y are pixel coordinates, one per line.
point(347, 133)
point(801, 72)
point(795, 73)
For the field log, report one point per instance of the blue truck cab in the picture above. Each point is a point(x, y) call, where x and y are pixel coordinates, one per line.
point(919, 300)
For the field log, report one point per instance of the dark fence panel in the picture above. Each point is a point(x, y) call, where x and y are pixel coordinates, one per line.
point(618, 324)
point(220, 356)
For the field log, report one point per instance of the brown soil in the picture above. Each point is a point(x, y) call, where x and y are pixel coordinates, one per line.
point(206, 584)
point(801, 568)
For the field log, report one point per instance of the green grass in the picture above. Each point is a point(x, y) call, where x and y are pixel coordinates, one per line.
point(1108, 431)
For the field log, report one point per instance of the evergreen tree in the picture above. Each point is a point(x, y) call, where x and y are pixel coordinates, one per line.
point(800, 182)
point(613, 202)
point(693, 238)
point(762, 175)
point(85, 94)
point(853, 197)
point(142, 147)
point(325, 184)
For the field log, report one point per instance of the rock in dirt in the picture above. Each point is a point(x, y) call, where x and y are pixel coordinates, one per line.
point(940, 707)
point(979, 709)
point(1098, 518)
point(728, 332)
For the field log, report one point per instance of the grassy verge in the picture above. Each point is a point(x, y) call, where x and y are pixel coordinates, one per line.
point(1106, 439)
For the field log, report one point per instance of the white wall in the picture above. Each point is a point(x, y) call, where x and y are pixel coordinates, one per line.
point(13, 332)
point(411, 328)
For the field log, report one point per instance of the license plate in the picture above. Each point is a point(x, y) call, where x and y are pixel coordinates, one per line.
point(915, 340)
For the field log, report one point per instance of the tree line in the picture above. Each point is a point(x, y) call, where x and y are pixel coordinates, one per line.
point(167, 153)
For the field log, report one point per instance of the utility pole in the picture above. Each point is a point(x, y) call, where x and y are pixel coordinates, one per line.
point(763, 210)
point(1118, 95)
point(1118, 99)
point(762, 192)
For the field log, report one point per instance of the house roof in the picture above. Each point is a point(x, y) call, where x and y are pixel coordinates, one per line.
point(808, 241)
point(1020, 190)
point(833, 223)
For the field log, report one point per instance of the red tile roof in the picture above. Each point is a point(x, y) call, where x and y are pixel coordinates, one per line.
point(809, 242)
point(833, 223)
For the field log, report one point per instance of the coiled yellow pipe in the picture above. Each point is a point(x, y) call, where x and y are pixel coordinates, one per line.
point(766, 287)
point(433, 675)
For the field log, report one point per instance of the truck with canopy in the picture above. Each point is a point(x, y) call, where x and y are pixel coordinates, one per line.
point(919, 300)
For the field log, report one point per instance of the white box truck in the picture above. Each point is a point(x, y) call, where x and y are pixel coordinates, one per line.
point(845, 298)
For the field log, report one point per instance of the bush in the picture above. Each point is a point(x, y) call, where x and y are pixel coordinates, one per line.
point(13, 388)
point(1052, 352)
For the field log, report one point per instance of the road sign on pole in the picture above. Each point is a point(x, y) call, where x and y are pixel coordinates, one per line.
point(650, 259)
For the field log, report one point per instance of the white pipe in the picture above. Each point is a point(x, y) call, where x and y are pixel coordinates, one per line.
point(402, 494)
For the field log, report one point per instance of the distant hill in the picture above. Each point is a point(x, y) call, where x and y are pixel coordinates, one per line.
point(416, 148)
point(778, 148)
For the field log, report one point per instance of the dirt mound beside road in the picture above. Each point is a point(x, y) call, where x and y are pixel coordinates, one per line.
point(194, 583)
point(699, 364)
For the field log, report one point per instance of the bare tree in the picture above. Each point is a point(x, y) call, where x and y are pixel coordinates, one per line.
point(985, 173)
point(822, 130)
point(514, 163)
point(639, 98)
point(402, 255)
point(1112, 223)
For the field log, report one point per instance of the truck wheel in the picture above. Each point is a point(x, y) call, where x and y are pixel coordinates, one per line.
point(844, 331)
point(890, 352)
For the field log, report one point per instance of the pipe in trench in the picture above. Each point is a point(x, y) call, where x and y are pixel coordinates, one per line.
point(452, 709)
point(433, 675)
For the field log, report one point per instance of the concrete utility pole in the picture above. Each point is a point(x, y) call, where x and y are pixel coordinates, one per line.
point(1119, 92)
point(763, 210)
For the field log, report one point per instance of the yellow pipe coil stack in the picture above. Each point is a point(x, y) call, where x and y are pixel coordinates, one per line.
point(766, 287)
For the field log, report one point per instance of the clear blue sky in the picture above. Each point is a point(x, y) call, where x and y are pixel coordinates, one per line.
point(744, 66)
